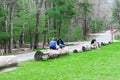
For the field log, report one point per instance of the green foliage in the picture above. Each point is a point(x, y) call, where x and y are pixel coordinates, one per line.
point(96, 25)
point(61, 9)
point(2, 20)
point(78, 34)
point(91, 65)
point(38, 49)
point(116, 12)
point(4, 36)
point(85, 10)
point(86, 7)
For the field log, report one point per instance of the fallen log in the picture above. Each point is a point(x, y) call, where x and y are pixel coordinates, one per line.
point(77, 50)
point(8, 61)
point(86, 48)
point(93, 47)
point(50, 54)
point(105, 43)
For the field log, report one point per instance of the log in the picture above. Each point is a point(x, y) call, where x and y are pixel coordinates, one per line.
point(50, 54)
point(105, 43)
point(8, 61)
point(77, 51)
point(93, 47)
point(86, 48)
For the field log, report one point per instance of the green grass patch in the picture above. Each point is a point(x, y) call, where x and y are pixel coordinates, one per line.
point(40, 49)
point(102, 64)
point(70, 44)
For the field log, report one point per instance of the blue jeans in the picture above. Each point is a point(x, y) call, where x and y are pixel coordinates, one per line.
point(52, 47)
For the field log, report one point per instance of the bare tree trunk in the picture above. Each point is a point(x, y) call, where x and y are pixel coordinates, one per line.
point(37, 25)
point(5, 6)
point(11, 24)
point(31, 45)
point(11, 29)
point(37, 29)
point(22, 37)
point(59, 28)
point(46, 26)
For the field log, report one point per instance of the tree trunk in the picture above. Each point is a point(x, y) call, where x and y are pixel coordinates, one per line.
point(11, 25)
point(59, 28)
point(46, 28)
point(85, 29)
point(37, 25)
point(31, 45)
point(37, 29)
point(21, 39)
point(55, 26)
point(11, 29)
point(44, 40)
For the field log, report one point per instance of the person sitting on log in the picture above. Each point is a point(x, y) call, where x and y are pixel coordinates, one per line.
point(60, 43)
point(95, 43)
point(53, 44)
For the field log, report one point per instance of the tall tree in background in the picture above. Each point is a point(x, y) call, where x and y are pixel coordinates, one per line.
point(85, 9)
point(11, 7)
point(116, 12)
point(38, 24)
point(61, 12)
point(5, 7)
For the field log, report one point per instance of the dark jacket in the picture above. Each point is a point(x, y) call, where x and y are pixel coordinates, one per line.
point(60, 41)
point(93, 41)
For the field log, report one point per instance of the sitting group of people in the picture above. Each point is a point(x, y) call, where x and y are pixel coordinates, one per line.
point(55, 44)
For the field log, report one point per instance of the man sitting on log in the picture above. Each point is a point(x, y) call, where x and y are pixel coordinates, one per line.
point(95, 44)
point(60, 43)
point(53, 44)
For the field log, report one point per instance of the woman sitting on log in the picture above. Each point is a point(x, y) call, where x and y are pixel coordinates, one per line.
point(53, 44)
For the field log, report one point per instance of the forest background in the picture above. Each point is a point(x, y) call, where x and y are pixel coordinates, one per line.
point(30, 22)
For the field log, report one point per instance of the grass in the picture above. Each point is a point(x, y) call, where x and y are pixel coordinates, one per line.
point(102, 64)
point(40, 49)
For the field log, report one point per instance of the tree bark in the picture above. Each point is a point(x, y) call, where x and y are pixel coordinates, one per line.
point(5, 6)
point(50, 54)
point(30, 34)
point(46, 28)
point(11, 25)
point(59, 28)
point(37, 25)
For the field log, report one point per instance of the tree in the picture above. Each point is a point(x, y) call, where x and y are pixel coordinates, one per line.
point(116, 12)
point(85, 9)
point(60, 12)
point(37, 25)
point(11, 6)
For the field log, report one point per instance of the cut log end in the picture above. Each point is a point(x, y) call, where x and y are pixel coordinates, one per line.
point(38, 55)
point(75, 51)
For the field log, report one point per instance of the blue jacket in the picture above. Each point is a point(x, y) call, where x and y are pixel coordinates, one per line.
point(53, 43)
